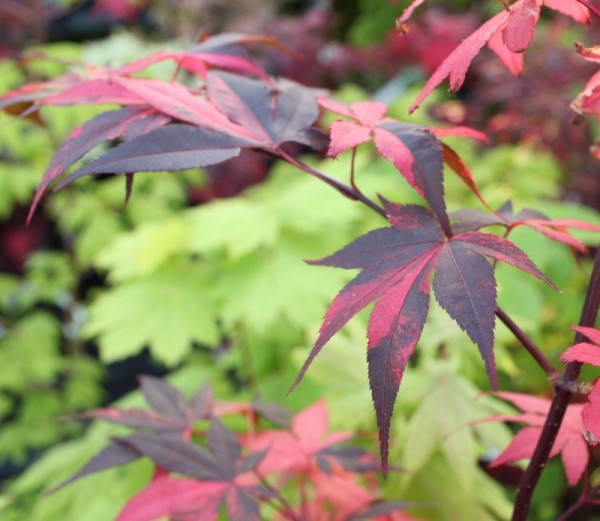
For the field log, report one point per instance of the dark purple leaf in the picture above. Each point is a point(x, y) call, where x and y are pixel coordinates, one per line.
point(424, 170)
point(106, 126)
point(113, 455)
point(164, 398)
point(380, 509)
point(176, 455)
point(148, 123)
point(241, 507)
point(250, 462)
point(174, 147)
point(465, 287)
point(135, 418)
point(395, 327)
point(274, 413)
point(503, 250)
point(202, 403)
point(250, 103)
point(224, 447)
point(353, 459)
point(397, 264)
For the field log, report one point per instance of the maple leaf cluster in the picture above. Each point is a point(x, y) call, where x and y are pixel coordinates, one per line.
point(508, 34)
point(236, 472)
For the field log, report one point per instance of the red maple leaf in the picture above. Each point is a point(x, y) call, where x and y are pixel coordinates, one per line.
point(412, 149)
point(588, 353)
point(297, 450)
point(221, 477)
point(555, 229)
point(397, 263)
point(569, 442)
point(509, 33)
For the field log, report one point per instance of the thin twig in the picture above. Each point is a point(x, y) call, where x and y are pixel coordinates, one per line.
point(528, 344)
point(346, 191)
point(286, 506)
point(352, 178)
point(562, 397)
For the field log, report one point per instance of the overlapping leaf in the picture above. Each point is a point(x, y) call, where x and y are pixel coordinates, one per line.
point(106, 126)
point(505, 216)
point(569, 441)
point(240, 112)
point(412, 149)
point(396, 265)
point(303, 447)
point(588, 353)
point(271, 120)
point(217, 478)
point(508, 34)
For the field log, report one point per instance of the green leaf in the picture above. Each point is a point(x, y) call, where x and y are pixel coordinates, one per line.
point(167, 311)
point(259, 288)
point(439, 423)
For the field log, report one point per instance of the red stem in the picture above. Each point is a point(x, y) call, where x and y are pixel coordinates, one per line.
point(347, 191)
point(562, 397)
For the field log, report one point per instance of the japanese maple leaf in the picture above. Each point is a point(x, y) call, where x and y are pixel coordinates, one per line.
point(172, 414)
point(412, 149)
point(588, 353)
point(508, 34)
point(127, 122)
point(569, 442)
point(300, 448)
point(553, 229)
point(397, 263)
point(339, 497)
point(225, 51)
point(219, 479)
point(588, 101)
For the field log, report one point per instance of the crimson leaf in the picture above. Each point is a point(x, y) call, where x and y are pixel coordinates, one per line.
point(396, 266)
point(505, 216)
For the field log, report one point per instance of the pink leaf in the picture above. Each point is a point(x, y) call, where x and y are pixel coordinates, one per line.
point(513, 61)
point(584, 353)
point(592, 333)
point(571, 8)
point(345, 135)
point(456, 65)
point(575, 457)
point(590, 416)
point(526, 402)
point(518, 33)
point(460, 131)
point(166, 496)
point(521, 447)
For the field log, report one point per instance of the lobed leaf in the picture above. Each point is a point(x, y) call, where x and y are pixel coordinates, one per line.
point(174, 147)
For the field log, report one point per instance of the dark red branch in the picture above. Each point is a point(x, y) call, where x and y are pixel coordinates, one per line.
point(528, 344)
point(562, 397)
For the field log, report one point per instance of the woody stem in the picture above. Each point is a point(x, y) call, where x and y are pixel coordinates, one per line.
point(562, 397)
